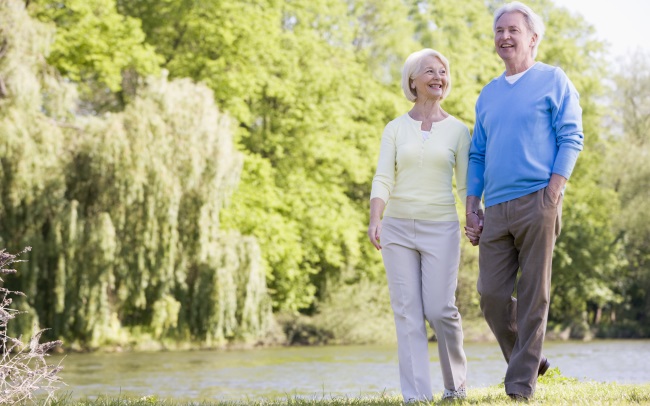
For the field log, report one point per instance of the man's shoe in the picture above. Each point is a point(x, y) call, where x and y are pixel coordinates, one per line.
point(517, 397)
point(544, 365)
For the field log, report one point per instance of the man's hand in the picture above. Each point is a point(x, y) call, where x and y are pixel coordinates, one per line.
point(555, 187)
point(474, 227)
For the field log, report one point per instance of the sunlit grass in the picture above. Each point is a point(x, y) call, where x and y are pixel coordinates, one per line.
point(552, 389)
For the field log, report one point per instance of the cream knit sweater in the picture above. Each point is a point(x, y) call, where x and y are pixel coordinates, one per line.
point(414, 175)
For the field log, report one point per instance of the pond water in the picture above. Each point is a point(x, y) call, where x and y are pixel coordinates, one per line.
point(321, 371)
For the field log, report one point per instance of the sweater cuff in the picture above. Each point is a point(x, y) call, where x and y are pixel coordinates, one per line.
point(565, 161)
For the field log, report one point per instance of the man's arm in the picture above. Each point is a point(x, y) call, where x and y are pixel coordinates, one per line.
point(567, 122)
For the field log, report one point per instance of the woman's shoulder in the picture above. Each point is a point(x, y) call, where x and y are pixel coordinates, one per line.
point(457, 124)
point(404, 118)
point(400, 123)
point(457, 131)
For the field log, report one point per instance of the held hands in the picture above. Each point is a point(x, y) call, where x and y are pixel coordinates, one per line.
point(474, 227)
point(374, 231)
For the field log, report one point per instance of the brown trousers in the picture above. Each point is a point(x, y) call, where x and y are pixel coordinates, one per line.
point(518, 235)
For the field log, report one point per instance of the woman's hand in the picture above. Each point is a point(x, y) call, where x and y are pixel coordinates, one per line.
point(474, 227)
point(473, 219)
point(374, 231)
point(374, 228)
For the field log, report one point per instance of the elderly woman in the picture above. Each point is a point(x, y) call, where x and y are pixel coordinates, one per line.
point(419, 235)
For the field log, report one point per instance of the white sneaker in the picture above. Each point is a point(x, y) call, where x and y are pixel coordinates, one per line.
point(460, 393)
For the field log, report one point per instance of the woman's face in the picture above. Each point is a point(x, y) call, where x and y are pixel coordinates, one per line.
point(431, 81)
point(512, 39)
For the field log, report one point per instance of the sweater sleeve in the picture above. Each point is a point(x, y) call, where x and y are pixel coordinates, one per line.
point(462, 162)
point(476, 168)
point(567, 121)
point(382, 183)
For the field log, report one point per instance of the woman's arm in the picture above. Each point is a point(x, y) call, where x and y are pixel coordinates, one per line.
point(377, 206)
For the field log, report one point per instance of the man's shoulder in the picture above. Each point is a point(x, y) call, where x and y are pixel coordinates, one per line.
point(542, 68)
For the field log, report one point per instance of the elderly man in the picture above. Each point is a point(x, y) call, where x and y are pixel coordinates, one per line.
point(527, 138)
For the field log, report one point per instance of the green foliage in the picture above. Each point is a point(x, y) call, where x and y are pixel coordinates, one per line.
point(553, 375)
point(380, 40)
point(151, 219)
point(146, 187)
point(31, 178)
point(123, 211)
point(94, 44)
point(310, 115)
point(340, 314)
point(462, 31)
point(627, 171)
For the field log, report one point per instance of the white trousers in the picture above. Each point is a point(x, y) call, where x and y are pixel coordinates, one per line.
point(421, 259)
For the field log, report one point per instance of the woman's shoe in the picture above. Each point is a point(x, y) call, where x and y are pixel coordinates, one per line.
point(460, 393)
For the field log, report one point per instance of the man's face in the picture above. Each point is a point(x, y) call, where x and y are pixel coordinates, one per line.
point(512, 39)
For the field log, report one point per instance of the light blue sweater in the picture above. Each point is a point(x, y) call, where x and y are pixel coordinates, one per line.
point(524, 132)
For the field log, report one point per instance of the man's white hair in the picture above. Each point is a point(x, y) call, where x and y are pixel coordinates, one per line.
point(534, 22)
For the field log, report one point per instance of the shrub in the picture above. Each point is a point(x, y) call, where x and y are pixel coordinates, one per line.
point(24, 373)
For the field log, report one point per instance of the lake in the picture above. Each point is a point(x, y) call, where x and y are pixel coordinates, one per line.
point(321, 371)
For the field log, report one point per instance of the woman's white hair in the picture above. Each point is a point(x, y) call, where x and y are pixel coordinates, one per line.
point(413, 67)
point(534, 22)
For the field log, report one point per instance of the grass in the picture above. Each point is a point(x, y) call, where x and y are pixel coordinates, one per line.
point(552, 389)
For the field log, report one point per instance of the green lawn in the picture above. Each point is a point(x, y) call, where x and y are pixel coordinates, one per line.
point(552, 389)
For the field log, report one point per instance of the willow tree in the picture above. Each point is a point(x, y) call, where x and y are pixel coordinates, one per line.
point(122, 210)
point(31, 176)
point(310, 116)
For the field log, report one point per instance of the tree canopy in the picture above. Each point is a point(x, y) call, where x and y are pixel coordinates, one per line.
point(185, 168)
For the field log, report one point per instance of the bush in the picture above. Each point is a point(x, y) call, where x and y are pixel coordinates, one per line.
point(24, 374)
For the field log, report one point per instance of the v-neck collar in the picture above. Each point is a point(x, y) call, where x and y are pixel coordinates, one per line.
point(524, 74)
